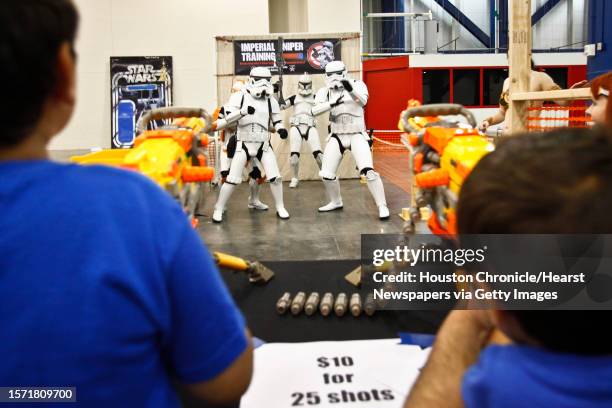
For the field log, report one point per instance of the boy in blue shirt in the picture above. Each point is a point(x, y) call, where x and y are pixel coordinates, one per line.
point(556, 183)
point(104, 285)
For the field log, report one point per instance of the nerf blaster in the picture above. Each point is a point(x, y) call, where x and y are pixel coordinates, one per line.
point(443, 154)
point(173, 156)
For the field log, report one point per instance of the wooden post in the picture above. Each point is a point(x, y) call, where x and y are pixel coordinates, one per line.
point(519, 59)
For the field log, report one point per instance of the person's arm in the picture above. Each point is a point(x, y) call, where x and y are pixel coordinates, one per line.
point(231, 384)
point(206, 341)
point(458, 343)
point(498, 117)
point(323, 104)
point(233, 117)
point(358, 91)
point(277, 119)
point(289, 102)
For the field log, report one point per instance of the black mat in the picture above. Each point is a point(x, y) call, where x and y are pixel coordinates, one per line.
point(258, 305)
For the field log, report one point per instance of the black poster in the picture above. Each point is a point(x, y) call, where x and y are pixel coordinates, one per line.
point(138, 84)
point(300, 55)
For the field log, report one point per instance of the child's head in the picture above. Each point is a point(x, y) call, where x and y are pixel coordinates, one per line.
point(554, 183)
point(37, 68)
point(600, 110)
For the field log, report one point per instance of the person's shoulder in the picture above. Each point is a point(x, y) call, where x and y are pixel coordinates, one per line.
point(540, 74)
point(546, 82)
point(541, 77)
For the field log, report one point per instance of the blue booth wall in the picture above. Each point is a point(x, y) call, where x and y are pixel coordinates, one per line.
point(600, 31)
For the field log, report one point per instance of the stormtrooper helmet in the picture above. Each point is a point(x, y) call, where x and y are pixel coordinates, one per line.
point(260, 82)
point(335, 72)
point(305, 85)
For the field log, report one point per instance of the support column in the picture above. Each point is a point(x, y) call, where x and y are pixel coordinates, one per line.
point(519, 58)
point(288, 16)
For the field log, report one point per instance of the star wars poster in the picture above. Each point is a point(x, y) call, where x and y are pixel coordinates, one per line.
point(138, 84)
point(300, 55)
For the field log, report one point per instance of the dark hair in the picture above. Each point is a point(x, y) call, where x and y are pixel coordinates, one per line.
point(546, 183)
point(31, 33)
point(541, 183)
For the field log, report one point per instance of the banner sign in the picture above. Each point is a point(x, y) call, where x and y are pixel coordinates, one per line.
point(300, 55)
point(138, 84)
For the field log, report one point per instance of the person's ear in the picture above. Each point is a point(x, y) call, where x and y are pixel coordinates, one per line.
point(65, 88)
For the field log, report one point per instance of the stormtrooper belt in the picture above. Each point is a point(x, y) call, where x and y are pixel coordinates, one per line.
point(346, 119)
point(302, 120)
point(253, 132)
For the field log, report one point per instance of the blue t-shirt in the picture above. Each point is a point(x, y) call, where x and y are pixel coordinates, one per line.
point(106, 287)
point(522, 376)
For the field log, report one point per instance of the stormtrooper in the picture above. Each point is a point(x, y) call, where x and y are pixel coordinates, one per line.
point(303, 126)
point(345, 99)
point(228, 136)
point(256, 110)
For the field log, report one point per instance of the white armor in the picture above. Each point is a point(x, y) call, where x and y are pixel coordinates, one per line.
point(257, 109)
point(345, 99)
point(228, 110)
point(303, 126)
point(346, 117)
point(302, 111)
point(255, 127)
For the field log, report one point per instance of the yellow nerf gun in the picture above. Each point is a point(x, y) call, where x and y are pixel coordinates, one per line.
point(443, 154)
point(174, 156)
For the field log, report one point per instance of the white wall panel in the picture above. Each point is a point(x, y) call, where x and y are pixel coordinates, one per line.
point(183, 29)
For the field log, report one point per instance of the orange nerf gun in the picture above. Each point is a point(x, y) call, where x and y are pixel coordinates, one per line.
point(443, 153)
point(173, 156)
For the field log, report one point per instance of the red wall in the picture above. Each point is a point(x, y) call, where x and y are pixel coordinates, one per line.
point(576, 73)
point(390, 86)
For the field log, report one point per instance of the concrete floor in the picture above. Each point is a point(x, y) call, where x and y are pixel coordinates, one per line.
point(308, 234)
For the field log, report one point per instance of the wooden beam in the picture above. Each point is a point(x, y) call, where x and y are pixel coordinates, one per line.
point(562, 95)
point(519, 57)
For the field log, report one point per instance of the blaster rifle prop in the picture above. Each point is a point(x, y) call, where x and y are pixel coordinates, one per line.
point(280, 65)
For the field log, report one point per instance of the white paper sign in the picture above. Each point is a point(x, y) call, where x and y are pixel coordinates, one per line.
point(369, 373)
